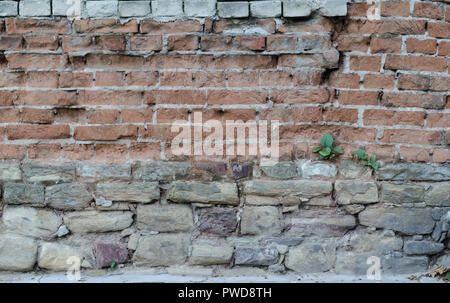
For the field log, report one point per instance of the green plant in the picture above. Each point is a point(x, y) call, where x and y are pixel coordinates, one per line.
point(372, 162)
point(447, 276)
point(113, 265)
point(326, 150)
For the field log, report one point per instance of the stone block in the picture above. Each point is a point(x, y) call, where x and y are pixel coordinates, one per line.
point(30, 221)
point(101, 9)
point(107, 252)
point(422, 247)
point(134, 8)
point(167, 7)
point(143, 192)
point(162, 250)
point(68, 196)
point(208, 254)
point(17, 253)
point(402, 193)
point(280, 170)
point(162, 171)
point(356, 192)
point(34, 8)
point(312, 257)
point(165, 218)
point(10, 171)
point(262, 220)
point(415, 172)
point(16, 193)
point(58, 257)
point(255, 256)
point(217, 221)
point(438, 195)
point(296, 8)
point(215, 193)
point(200, 8)
point(233, 9)
point(265, 9)
point(36, 173)
point(93, 221)
point(8, 8)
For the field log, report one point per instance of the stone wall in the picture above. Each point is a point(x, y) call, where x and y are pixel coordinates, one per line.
point(87, 104)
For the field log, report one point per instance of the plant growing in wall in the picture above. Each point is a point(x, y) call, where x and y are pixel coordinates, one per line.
point(372, 162)
point(326, 150)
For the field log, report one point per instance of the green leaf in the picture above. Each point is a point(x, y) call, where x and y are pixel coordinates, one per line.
point(360, 154)
point(332, 156)
point(373, 158)
point(113, 265)
point(447, 277)
point(327, 140)
point(375, 165)
point(318, 148)
point(365, 162)
point(321, 157)
point(325, 152)
point(339, 150)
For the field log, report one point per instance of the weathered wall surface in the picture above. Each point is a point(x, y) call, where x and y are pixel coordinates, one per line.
point(86, 107)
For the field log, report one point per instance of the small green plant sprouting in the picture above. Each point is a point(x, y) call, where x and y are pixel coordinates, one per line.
point(372, 162)
point(447, 276)
point(113, 265)
point(326, 150)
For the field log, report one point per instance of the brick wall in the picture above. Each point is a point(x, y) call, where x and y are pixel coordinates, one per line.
point(89, 101)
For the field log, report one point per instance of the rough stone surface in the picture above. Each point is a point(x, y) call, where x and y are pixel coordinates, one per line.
point(264, 220)
point(402, 193)
point(101, 8)
point(422, 247)
point(217, 221)
point(309, 169)
point(356, 192)
point(16, 193)
point(167, 7)
point(350, 169)
point(143, 192)
point(319, 222)
point(34, 8)
point(35, 173)
point(233, 9)
point(107, 252)
point(68, 196)
point(17, 253)
point(296, 8)
point(312, 257)
point(162, 250)
point(58, 257)
point(8, 8)
point(334, 8)
point(404, 220)
point(29, 221)
point(363, 241)
point(165, 218)
point(265, 9)
point(204, 254)
point(93, 221)
point(216, 193)
point(281, 170)
point(255, 256)
point(134, 8)
point(200, 8)
point(10, 172)
point(415, 172)
point(164, 171)
point(242, 170)
point(438, 195)
point(399, 265)
point(101, 172)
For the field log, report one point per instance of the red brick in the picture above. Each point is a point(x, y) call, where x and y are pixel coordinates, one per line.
point(293, 96)
point(185, 79)
point(100, 97)
point(104, 116)
point(109, 78)
point(44, 151)
point(189, 42)
point(12, 151)
point(158, 132)
point(239, 115)
point(77, 44)
point(249, 43)
point(358, 97)
point(413, 100)
point(35, 26)
point(353, 43)
point(113, 61)
point(245, 79)
point(358, 9)
point(395, 27)
point(414, 154)
point(9, 79)
point(140, 115)
point(428, 10)
point(439, 30)
point(438, 120)
point(170, 115)
point(441, 155)
point(105, 26)
point(10, 43)
point(105, 133)
point(378, 117)
point(410, 136)
point(282, 43)
point(342, 80)
point(45, 98)
point(36, 61)
point(145, 150)
point(444, 48)
point(400, 9)
point(276, 78)
point(42, 79)
point(410, 118)
point(37, 115)
point(174, 97)
point(171, 27)
point(9, 115)
point(307, 78)
point(111, 153)
point(440, 83)
point(38, 132)
point(385, 45)
point(233, 25)
point(42, 43)
point(114, 43)
point(147, 43)
point(142, 78)
point(236, 97)
point(379, 81)
point(69, 79)
point(334, 114)
point(366, 63)
point(420, 63)
point(427, 46)
point(414, 81)
point(216, 43)
point(210, 79)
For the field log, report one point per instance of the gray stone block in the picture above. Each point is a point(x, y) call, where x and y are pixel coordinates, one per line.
point(255, 256)
point(8, 8)
point(165, 218)
point(265, 9)
point(34, 8)
point(134, 8)
point(233, 9)
point(16, 193)
point(296, 8)
point(200, 8)
point(167, 7)
point(69, 196)
point(101, 8)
